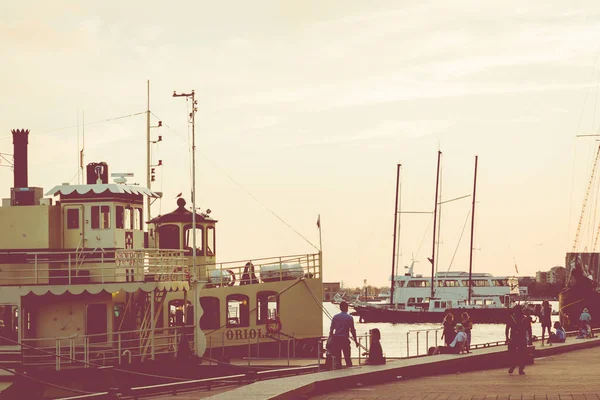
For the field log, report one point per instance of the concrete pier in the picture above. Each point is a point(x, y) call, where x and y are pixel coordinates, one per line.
point(561, 371)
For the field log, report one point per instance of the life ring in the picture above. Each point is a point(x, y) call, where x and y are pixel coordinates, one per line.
point(232, 278)
point(273, 326)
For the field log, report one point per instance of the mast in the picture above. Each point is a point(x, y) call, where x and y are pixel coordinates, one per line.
point(432, 259)
point(395, 230)
point(193, 119)
point(472, 231)
point(148, 178)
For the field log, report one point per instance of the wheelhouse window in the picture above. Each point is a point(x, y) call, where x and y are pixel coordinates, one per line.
point(100, 217)
point(138, 221)
point(267, 308)
point(128, 218)
point(238, 311)
point(168, 237)
point(211, 313)
point(189, 238)
point(72, 218)
point(119, 217)
point(500, 282)
point(210, 240)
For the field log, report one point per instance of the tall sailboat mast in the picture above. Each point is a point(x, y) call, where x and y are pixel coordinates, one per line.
point(396, 212)
point(472, 231)
point(432, 259)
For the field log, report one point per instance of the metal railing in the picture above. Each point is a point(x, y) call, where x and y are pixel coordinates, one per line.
point(106, 348)
point(272, 269)
point(92, 266)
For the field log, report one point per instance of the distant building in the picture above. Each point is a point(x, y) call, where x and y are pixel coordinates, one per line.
point(541, 277)
point(557, 275)
point(330, 289)
point(526, 280)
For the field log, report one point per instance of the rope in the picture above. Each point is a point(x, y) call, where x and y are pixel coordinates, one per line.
point(45, 382)
point(459, 239)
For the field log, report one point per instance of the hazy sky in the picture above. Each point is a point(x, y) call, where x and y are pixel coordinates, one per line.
point(306, 107)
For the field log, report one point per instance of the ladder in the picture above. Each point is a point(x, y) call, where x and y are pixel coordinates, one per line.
point(146, 333)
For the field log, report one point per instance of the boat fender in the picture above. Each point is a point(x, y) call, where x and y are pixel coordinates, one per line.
point(232, 277)
point(273, 326)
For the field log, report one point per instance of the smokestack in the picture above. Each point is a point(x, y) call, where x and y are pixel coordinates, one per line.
point(20, 141)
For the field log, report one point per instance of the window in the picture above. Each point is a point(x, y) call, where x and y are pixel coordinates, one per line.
point(138, 222)
point(210, 241)
point(100, 217)
point(128, 218)
point(72, 218)
point(477, 283)
point(9, 315)
point(499, 282)
point(168, 237)
point(211, 315)
point(120, 217)
point(267, 307)
point(418, 283)
point(238, 311)
point(189, 238)
point(411, 300)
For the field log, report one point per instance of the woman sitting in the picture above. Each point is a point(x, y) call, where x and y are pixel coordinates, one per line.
point(458, 344)
point(375, 353)
point(559, 336)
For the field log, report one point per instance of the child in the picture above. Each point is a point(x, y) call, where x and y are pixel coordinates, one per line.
point(375, 354)
point(559, 336)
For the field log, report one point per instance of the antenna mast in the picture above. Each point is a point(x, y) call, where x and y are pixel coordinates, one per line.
point(192, 118)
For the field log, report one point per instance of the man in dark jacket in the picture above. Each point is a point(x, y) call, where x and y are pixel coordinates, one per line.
point(518, 329)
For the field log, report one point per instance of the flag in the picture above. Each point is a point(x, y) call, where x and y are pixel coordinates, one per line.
point(516, 269)
point(319, 221)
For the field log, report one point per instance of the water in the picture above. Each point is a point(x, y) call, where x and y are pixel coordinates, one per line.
point(394, 337)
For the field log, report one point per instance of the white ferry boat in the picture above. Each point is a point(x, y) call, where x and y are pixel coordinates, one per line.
point(413, 302)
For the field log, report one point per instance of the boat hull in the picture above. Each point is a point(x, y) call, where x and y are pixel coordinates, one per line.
point(572, 301)
point(478, 315)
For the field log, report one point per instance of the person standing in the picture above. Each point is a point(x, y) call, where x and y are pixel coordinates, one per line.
point(545, 319)
point(448, 333)
point(518, 328)
point(342, 325)
point(585, 319)
point(468, 325)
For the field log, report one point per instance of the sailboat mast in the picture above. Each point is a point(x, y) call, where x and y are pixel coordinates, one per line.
point(395, 232)
point(432, 259)
point(472, 231)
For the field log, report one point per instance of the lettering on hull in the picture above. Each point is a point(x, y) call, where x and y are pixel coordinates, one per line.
point(244, 334)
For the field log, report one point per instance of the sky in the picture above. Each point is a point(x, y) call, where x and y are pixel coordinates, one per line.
point(306, 107)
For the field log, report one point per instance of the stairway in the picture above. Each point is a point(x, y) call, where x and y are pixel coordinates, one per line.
point(148, 322)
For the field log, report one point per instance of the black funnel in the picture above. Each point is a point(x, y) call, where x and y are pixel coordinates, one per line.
point(20, 142)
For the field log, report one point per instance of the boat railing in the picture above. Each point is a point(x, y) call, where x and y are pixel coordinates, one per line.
point(113, 348)
point(92, 266)
point(262, 270)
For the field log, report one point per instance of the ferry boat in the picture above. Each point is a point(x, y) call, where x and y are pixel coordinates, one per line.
point(490, 298)
point(416, 299)
point(86, 282)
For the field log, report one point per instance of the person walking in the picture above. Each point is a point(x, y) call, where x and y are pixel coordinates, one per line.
point(545, 313)
point(448, 333)
point(518, 328)
point(342, 325)
point(468, 325)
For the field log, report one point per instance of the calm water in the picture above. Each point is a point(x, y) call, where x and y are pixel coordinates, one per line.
point(394, 336)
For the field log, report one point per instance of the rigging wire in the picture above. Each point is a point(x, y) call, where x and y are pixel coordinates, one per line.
point(459, 239)
point(236, 183)
point(75, 126)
